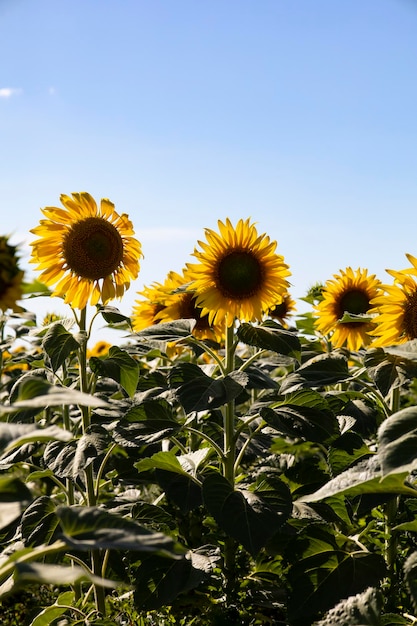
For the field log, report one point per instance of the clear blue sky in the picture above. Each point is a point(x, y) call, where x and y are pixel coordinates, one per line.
point(301, 114)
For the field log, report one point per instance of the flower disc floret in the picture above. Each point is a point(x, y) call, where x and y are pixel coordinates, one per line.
point(86, 251)
point(238, 274)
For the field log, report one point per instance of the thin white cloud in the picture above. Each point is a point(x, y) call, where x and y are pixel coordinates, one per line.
point(8, 92)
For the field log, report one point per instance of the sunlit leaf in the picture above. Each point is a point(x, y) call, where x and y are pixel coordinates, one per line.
point(398, 441)
point(58, 344)
point(119, 366)
point(270, 336)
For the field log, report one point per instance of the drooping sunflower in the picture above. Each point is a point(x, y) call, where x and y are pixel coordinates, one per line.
point(147, 308)
point(171, 301)
point(396, 308)
point(87, 251)
point(181, 304)
point(281, 312)
point(350, 292)
point(238, 274)
point(11, 276)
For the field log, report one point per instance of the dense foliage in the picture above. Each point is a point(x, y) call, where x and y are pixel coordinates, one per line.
point(171, 480)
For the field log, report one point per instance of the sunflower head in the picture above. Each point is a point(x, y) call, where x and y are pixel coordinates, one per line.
point(238, 274)
point(11, 276)
point(283, 310)
point(395, 308)
point(100, 349)
point(345, 307)
point(180, 303)
point(87, 251)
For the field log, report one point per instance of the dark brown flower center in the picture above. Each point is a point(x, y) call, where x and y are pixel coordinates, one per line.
point(280, 310)
point(354, 301)
point(410, 316)
point(93, 248)
point(188, 310)
point(239, 275)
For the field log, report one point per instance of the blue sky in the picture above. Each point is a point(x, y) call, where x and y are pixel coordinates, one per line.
point(300, 114)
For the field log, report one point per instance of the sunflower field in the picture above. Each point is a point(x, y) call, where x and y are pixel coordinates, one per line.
point(229, 462)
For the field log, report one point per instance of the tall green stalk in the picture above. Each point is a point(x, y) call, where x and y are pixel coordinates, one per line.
point(229, 452)
point(91, 495)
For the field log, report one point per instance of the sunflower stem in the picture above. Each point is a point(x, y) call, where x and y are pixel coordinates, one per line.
point(229, 454)
point(96, 557)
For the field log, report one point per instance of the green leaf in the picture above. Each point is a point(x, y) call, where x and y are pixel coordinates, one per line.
point(319, 582)
point(87, 528)
point(388, 370)
point(398, 442)
point(58, 344)
point(242, 515)
point(167, 331)
point(303, 414)
point(112, 315)
point(50, 613)
point(197, 391)
point(35, 392)
point(119, 366)
point(90, 447)
point(362, 609)
point(158, 582)
point(410, 577)
point(39, 435)
point(270, 336)
point(323, 369)
point(167, 461)
point(39, 522)
point(41, 573)
point(364, 477)
point(150, 421)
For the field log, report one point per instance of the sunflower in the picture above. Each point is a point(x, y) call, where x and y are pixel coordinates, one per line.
point(87, 252)
point(283, 310)
point(396, 308)
point(171, 301)
point(181, 304)
point(149, 305)
point(100, 349)
point(238, 274)
point(349, 293)
point(11, 276)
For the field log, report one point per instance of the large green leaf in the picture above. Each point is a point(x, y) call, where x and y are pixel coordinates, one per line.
point(410, 577)
point(167, 331)
point(324, 369)
point(150, 421)
point(119, 366)
point(14, 498)
point(58, 344)
point(398, 442)
point(363, 478)
point(47, 616)
point(320, 581)
point(35, 392)
point(158, 582)
point(303, 414)
point(270, 336)
point(242, 515)
point(362, 609)
point(197, 391)
point(87, 528)
point(39, 522)
point(42, 573)
point(391, 368)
